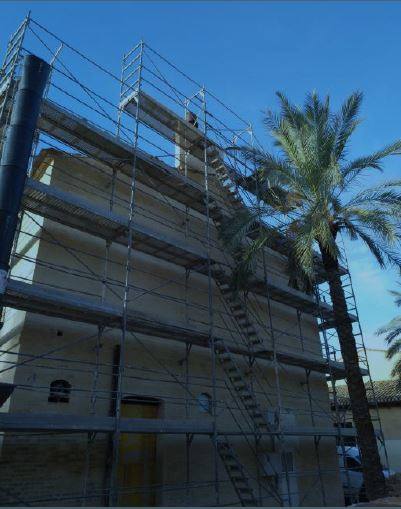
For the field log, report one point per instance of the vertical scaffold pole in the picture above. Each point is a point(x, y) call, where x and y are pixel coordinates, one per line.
point(257, 437)
point(210, 298)
point(326, 346)
point(316, 440)
point(280, 435)
point(113, 498)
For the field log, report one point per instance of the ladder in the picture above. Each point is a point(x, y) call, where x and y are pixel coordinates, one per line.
point(236, 473)
point(7, 71)
point(329, 340)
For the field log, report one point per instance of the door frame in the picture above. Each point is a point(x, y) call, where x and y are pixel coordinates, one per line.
point(132, 399)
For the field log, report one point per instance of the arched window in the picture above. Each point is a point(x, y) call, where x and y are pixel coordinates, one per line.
point(205, 403)
point(59, 391)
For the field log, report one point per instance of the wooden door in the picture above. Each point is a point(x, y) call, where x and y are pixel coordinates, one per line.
point(137, 460)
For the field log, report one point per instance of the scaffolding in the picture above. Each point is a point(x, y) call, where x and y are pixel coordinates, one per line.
point(166, 138)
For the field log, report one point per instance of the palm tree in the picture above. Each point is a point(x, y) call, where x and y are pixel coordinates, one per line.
point(393, 338)
point(315, 191)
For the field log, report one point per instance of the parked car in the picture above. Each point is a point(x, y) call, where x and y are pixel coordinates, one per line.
point(351, 474)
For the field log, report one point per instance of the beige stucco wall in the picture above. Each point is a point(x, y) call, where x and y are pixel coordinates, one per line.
point(390, 418)
point(154, 367)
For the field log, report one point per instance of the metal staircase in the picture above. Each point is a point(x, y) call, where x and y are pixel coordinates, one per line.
point(231, 191)
point(237, 308)
point(234, 373)
point(236, 473)
point(241, 387)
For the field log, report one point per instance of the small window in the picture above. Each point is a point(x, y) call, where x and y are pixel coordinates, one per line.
point(205, 403)
point(59, 391)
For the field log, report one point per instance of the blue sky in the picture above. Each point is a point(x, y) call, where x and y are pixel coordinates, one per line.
point(244, 52)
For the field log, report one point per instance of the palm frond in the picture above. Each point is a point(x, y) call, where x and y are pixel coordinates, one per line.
point(385, 194)
point(392, 331)
point(396, 371)
point(306, 182)
point(355, 168)
point(235, 229)
point(395, 346)
point(346, 122)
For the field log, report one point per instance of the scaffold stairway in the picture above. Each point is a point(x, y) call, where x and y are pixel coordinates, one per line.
point(236, 307)
point(236, 473)
point(228, 185)
point(240, 386)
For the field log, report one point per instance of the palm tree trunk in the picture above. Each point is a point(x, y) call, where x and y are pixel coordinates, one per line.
point(371, 465)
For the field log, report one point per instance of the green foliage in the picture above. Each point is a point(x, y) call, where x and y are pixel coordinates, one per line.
point(309, 185)
point(393, 338)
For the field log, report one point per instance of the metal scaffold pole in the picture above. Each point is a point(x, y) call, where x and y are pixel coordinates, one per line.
point(271, 330)
point(114, 481)
point(202, 94)
point(332, 381)
point(316, 440)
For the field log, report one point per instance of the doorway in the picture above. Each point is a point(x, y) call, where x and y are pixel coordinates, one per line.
point(137, 458)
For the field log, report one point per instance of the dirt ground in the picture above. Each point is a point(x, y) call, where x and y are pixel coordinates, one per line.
point(394, 492)
point(394, 485)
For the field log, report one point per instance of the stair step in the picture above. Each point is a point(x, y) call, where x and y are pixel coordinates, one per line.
point(250, 406)
point(234, 467)
point(239, 313)
point(236, 306)
point(229, 457)
point(239, 386)
point(247, 396)
point(257, 342)
point(245, 490)
point(239, 479)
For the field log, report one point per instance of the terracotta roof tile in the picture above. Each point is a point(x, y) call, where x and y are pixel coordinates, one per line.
point(387, 392)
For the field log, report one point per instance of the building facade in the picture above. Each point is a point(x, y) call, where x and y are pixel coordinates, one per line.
point(162, 379)
point(135, 375)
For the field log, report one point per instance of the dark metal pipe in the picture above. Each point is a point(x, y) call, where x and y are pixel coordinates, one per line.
point(16, 153)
